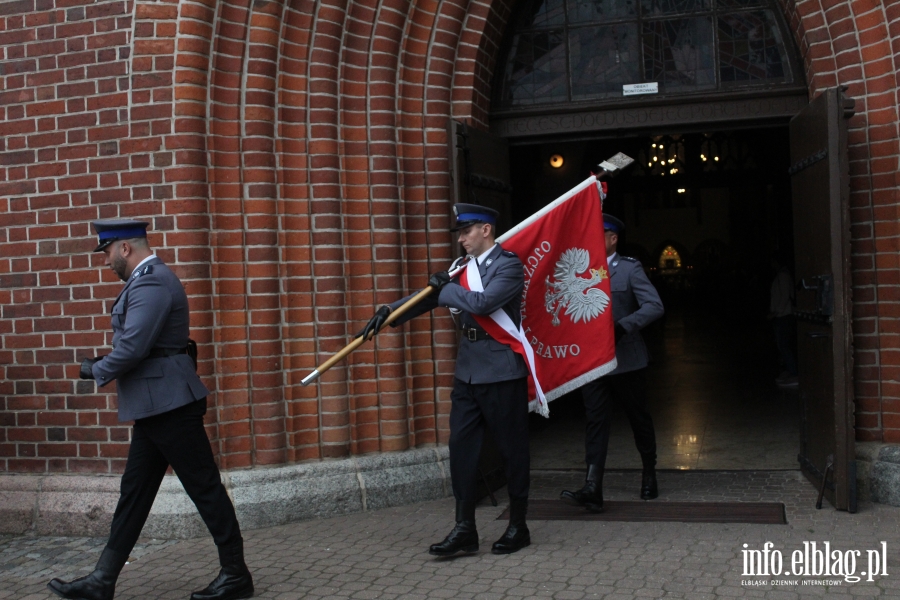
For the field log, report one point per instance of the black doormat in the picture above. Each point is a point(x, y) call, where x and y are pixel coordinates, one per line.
point(771, 513)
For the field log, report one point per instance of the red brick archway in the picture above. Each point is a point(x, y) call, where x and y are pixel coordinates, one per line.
point(292, 158)
point(328, 196)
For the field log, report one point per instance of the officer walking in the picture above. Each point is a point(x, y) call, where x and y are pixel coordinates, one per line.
point(635, 304)
point(158, 388)
point(490, 388)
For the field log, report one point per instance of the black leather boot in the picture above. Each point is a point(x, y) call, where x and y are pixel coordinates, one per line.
point(649, 489)
point(591, 495)
point(516, 535)
point(234, 581)
point(463, 537)
point(99, 585)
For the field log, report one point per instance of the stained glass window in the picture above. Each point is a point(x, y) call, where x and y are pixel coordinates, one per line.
point(560, 51)
point(536, 72)
point(546, 13)
point(602, 58)
point(600, 11)
point(751, 48)
point(651, 8)
point(739, 3)
point(679, 53)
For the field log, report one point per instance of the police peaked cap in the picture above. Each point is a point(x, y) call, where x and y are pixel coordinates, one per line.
point(611, 223)
point(113, 230)
point(469, 214)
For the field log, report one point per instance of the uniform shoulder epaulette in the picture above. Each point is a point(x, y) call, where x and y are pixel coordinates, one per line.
point(629, 259)
point(141, 272)
point(510, 254)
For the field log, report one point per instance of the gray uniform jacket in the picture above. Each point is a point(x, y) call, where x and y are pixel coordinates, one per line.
point(486, 360)
point(635, 304)
point(150, 312)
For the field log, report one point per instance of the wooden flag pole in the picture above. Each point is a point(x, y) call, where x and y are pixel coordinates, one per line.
point(395, 314)
point(356, 343)
point(610, 166)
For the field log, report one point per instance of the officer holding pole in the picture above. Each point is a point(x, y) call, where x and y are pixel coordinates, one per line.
point(490, 388)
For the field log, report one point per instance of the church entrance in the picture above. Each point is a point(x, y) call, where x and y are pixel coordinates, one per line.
point(735, 166)
point(706, 213)
point(709, 211)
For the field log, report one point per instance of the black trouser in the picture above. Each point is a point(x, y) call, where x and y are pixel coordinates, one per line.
point(503, 407)
point(629, 391)
point(174, 438)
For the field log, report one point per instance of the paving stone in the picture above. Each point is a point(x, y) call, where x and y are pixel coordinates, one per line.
point(383, 553)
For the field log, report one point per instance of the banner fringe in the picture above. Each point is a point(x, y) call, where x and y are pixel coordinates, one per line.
point(581, 380)
point(539, 407)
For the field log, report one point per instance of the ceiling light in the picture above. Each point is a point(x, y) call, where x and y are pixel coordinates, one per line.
point(556, 161)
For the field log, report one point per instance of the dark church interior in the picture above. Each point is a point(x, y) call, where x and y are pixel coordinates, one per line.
point(706, 212)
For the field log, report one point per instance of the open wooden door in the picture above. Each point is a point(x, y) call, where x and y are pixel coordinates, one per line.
point(821, 189)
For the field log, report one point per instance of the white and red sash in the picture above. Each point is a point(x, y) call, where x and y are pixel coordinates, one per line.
point(501, 327)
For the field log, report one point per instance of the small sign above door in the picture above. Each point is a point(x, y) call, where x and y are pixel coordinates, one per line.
point(633, 89)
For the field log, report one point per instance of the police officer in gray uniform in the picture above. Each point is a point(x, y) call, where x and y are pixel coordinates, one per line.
point(635, 304)
point(491, 381)
point(158, 388)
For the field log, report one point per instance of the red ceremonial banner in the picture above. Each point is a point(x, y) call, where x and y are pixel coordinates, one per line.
point(567, 301)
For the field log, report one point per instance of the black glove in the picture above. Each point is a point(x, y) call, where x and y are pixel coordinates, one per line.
point(86, 364)
point(375, 323)
point(439, 280)
point(619, 332)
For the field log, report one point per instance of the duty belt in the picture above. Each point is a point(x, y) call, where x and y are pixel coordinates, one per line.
point(166, 352)
point(473, 334)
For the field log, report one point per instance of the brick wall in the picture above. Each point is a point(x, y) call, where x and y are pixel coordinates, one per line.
point(292, 159)
point(65, 111)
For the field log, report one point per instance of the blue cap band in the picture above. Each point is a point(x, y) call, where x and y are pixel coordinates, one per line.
point(607, 226)
point(476, 217)
point(122, 234)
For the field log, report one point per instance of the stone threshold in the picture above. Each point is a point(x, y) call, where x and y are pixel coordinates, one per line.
point(83, 505)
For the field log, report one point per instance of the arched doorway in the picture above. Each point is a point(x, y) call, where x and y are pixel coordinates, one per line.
point(699, 92)
point(705, 240)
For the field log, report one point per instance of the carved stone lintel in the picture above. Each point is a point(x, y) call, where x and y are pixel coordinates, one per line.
point(652, 116)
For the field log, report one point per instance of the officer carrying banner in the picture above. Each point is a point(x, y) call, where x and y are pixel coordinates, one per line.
point(491, 383)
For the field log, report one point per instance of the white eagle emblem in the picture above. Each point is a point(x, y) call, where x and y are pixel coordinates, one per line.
point(577, 295)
